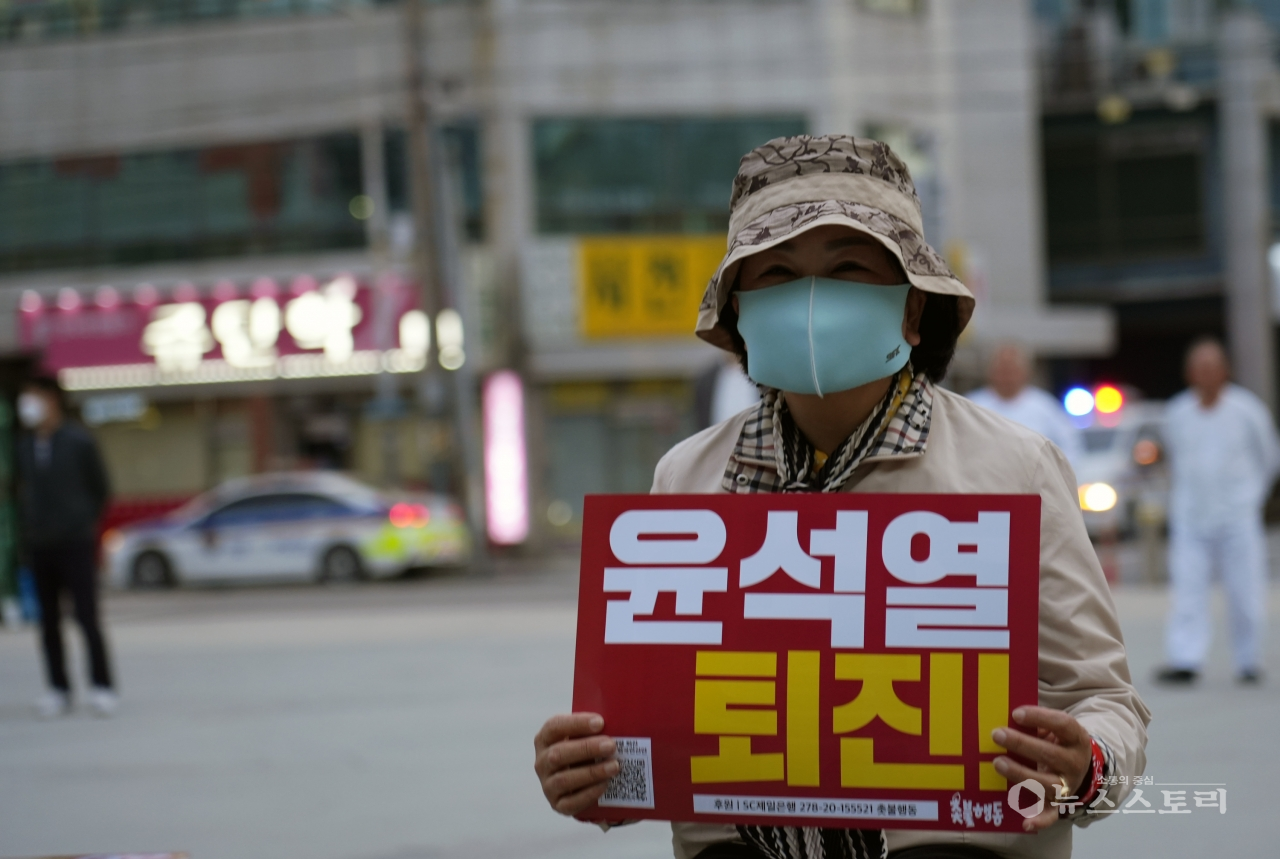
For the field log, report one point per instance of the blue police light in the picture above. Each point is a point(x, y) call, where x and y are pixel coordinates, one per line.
point(1078, 402)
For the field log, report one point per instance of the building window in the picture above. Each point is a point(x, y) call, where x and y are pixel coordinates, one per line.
point(178, 205)
point(459, 145)
point(606, 437)
point(43, 19)
point(1273, 150)
point(1114, 195)
point(891, 7)
point(658, 175)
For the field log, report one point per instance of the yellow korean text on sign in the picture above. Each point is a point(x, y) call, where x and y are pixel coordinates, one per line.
point(643, 286)
point(720, 706)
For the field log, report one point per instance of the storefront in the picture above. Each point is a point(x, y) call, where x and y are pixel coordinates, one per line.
point(610, 322)
point(189, 384)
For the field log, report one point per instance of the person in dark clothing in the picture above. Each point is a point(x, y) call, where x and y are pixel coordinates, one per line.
point(63, 492)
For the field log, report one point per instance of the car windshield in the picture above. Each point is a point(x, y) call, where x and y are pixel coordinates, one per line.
point(1099, 440)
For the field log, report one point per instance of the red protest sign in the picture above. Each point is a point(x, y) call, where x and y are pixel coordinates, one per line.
point(808, 659)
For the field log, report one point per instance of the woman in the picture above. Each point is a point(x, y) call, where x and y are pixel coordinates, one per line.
point(847, 318)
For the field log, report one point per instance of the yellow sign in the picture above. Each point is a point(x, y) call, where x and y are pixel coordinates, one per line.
point(644, 286)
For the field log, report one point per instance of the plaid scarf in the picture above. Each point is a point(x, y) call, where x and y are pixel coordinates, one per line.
point(772, 455)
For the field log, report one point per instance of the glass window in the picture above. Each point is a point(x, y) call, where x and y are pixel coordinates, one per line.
point(181, 204)
point(1268, 9)
point(1117, 195)
point(658, 175)
point(39, 19)
point(1052, 13)
point(609, 437)
point(892, 7)
point(282, 507)
point(461, 146)
point(244, 511)
point(1273, 150)
point(1099, 440)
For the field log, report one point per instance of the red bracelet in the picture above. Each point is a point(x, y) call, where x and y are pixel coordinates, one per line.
point(1097, 772)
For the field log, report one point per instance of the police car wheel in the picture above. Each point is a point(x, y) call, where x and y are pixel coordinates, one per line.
point(151, 570)
point(341, 564)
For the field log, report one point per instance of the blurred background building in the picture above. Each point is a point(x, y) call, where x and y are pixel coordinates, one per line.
point(1159, 148)
point(206, 228)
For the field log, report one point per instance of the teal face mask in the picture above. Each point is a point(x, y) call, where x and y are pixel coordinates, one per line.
point(819, 335)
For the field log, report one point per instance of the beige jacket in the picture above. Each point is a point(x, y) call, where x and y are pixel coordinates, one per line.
point(1083, 669)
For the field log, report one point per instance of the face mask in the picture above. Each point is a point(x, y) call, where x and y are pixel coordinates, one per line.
point(31, 410)
point(819, 335)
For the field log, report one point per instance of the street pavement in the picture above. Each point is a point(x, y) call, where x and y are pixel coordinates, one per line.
point(395, 721)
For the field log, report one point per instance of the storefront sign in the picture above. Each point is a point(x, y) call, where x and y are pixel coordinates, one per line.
point(810, 659)
point(644, 286)
point(226, 333)
point(112, 408)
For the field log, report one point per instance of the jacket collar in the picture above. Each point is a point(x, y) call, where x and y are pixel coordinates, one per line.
point(757, 463)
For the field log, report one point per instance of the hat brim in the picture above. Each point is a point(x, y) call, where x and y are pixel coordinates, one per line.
point(925, 268)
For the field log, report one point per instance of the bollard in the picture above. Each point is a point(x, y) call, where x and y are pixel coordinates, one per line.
point(1150, 516)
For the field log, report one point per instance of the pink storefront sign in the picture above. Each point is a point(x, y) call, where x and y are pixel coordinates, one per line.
point(224, 331)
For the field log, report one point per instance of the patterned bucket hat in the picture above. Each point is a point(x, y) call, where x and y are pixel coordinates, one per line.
point(794, 184)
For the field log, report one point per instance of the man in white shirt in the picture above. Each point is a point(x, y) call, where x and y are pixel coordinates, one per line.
point(1009, 393)
point(1223, 456)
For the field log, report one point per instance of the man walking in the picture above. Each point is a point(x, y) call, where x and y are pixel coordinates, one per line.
point(64, 491)
point(1010, 394)
point(1223, 455)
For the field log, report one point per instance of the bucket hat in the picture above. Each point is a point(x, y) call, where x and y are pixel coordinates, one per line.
point(794, 184)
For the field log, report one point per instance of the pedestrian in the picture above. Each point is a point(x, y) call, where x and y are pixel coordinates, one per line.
point(1009, 393)
point(1223, 457)
point(63, 493)
point(847, 320)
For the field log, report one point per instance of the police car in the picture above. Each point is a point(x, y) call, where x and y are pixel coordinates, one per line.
point(299, 526)
point(1123, 481)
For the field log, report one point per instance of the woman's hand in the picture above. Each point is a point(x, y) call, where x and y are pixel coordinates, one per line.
point(574, 761)
point(1062, 748)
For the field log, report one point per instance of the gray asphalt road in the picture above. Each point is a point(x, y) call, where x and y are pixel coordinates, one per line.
point(394, 721)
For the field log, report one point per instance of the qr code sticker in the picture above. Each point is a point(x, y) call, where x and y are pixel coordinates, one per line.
point(632, 787)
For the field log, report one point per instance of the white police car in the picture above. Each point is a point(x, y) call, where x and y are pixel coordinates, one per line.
point(1121, 471)
point(300, 526)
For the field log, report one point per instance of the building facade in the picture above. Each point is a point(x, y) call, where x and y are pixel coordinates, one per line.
point(260, 160)
point(1158, 123)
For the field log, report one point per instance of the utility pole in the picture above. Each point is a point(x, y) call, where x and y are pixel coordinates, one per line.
point(373, 183)
point(1243, 66)
point(430, 269)
point(449, 217)
point(386, 408)
point(418, 118)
